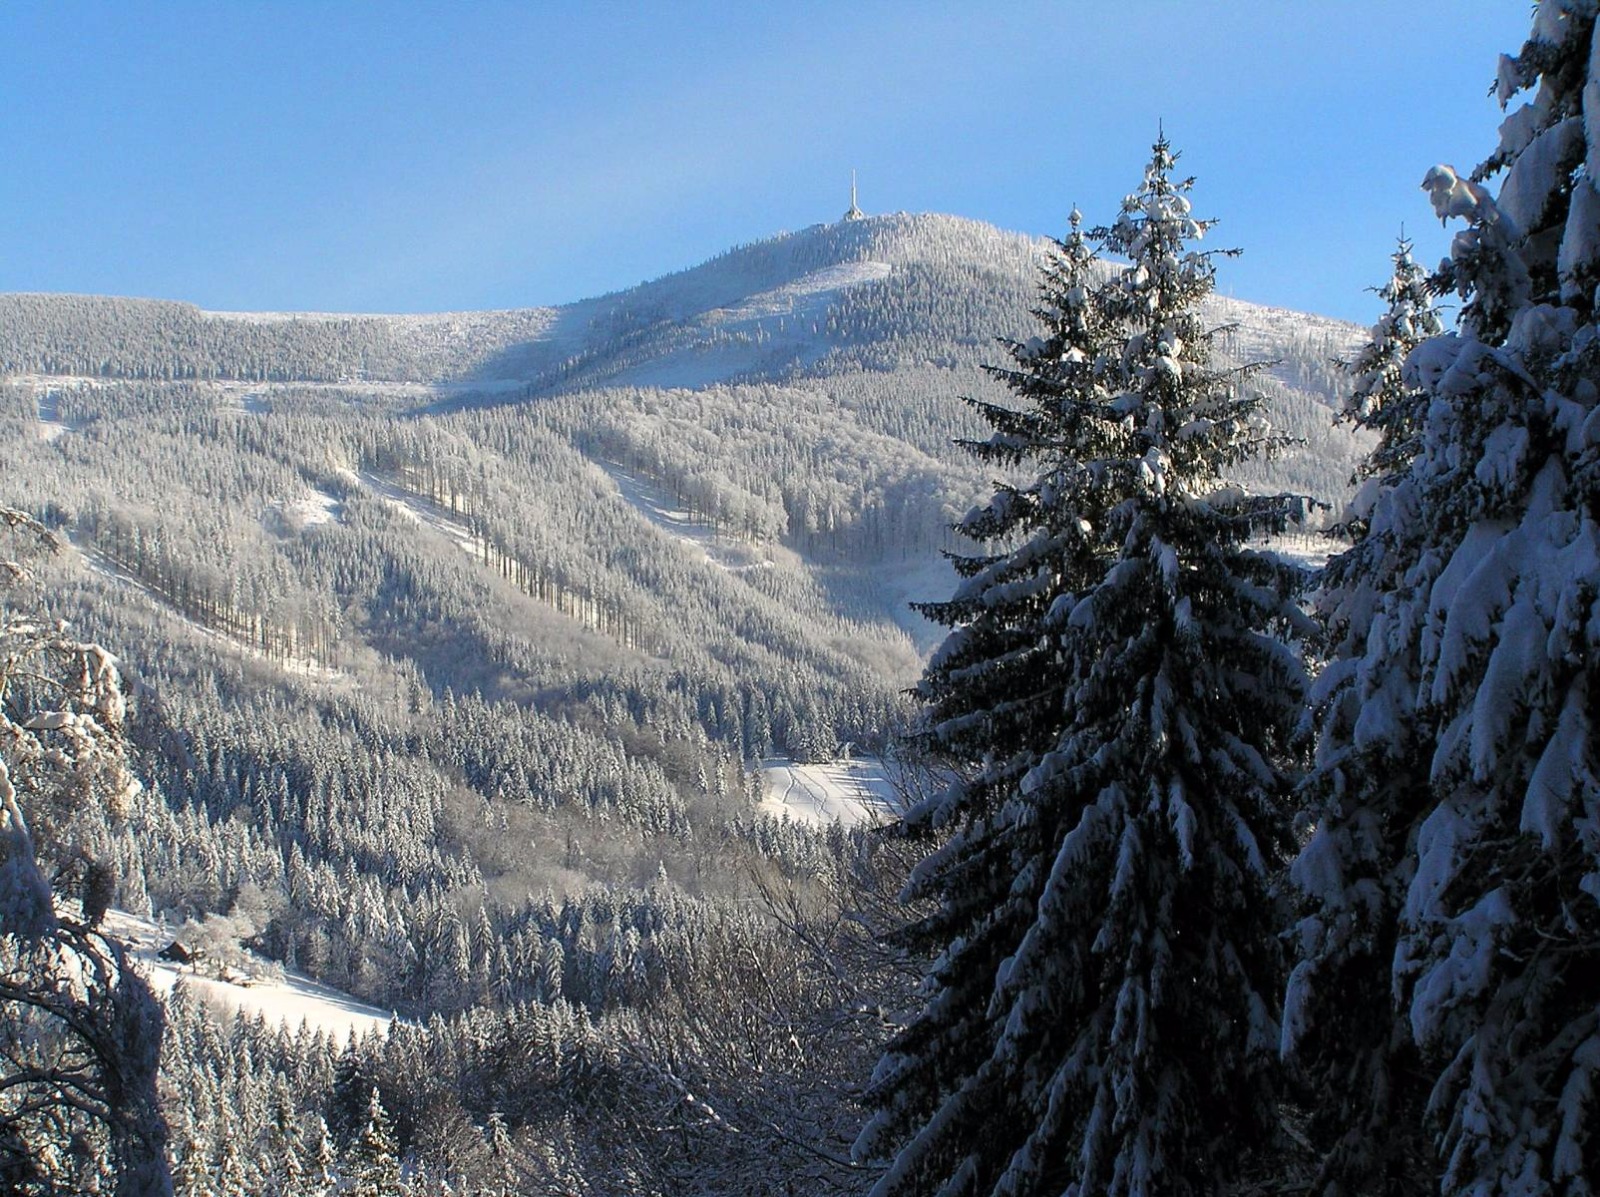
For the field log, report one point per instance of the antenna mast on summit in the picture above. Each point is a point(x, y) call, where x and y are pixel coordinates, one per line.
point(855, 213)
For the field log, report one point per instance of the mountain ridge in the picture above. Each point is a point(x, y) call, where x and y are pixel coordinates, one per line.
point(553, 346)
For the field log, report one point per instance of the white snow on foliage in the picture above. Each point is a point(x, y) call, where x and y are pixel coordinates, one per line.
point(1452, 195)
point(1538, 171)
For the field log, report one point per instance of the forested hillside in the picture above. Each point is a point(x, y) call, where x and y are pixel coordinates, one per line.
point(454, 645)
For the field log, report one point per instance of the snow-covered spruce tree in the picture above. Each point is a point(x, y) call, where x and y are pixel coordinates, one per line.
point(375, 1156)
point(1457, 718)
point(80, 1032)
point(1379, 399)
point(285, 1154)
point(1117, 695)
point(322, 1178)
point(1342, 1032)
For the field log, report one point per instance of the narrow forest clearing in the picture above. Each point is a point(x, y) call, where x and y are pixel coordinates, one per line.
point(665, 513)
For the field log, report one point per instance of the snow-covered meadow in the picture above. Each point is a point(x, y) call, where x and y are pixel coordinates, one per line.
point(278, 995)
point(852, 791)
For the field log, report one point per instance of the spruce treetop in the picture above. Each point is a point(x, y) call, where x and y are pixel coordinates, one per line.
point(1379, 400)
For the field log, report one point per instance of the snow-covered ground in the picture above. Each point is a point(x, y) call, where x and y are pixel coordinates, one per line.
point(922, 578)
point(1309, 550)
point(296, 515)
point(860, 790)
point(292, 1000)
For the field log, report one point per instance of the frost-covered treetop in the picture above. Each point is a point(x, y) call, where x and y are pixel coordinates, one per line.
point(1192, 422)
point(1379, 400)
point(1538, 240)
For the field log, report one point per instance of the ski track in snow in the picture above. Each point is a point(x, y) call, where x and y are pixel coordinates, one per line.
point(852, 792)
point(291, 1001)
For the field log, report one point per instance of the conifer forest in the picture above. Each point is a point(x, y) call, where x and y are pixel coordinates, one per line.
point(900, 708)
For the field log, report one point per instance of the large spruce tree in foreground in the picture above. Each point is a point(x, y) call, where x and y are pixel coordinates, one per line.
point(1456, 725)
point(1342, 1032)
point(1116, 693)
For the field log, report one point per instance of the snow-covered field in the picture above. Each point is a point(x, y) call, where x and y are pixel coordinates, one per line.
point(293, 1000)
point(860, 790)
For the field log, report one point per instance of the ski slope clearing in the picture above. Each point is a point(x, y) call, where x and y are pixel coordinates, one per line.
point(103, 566)
point(903, 581)
point(567, 606)
point(292, 1000)
point(663, 512)
point(851, 792)
point(808, 294)
point(417, 509)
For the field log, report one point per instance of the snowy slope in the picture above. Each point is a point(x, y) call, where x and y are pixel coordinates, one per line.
point(850, 791)
point(699, 537)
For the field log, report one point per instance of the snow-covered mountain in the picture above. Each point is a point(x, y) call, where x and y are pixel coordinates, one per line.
point(759, 309)
point(473, 604)
point(922, 296)
point(500, 665)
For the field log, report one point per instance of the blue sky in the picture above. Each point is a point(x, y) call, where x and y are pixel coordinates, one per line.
point(417, 157)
